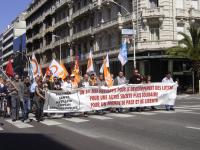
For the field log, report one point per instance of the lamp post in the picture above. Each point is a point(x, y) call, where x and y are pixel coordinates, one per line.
point(25, 57)
point(132, 17)
point(57, 36)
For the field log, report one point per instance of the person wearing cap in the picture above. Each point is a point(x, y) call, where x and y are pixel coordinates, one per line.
point(73, 82)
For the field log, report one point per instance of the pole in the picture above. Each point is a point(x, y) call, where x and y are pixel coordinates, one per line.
point(128, 12)
point(60, 50)
point(193, 82)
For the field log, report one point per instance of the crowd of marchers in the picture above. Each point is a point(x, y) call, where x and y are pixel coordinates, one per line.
point(27, 95)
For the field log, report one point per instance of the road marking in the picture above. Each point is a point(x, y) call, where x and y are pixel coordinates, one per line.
point(19, 124)
point(144, 113)
point(165, 112)
point(100, 117)
point(119, 115)
point(195, 113)
point(50, 122)
point(182, 110)
point(1, 129)
point(76, 120)
point(195, 128)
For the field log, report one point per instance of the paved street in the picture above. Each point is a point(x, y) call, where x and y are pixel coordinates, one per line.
point(158, 130)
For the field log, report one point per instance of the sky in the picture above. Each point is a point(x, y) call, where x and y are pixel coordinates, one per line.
point(9, 10)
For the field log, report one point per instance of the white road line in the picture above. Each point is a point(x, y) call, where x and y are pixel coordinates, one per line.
point(1, 129)
point(144, 113)
point(195, 113)
point(165, 112)
point(119, 115)
point(19, 124)
point(182, 110)
point(76, 120)
point(195, 128)
point(50, 122)
point(99, 117)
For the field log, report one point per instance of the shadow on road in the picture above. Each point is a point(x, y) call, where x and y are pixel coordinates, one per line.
point(15, 141)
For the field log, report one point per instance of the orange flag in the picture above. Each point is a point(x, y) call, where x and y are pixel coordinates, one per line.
point(65, 73)
point(107, 75)
point(76, 70)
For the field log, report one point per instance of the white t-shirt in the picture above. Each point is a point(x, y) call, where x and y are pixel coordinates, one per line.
point(166, 80)
point(66, 86)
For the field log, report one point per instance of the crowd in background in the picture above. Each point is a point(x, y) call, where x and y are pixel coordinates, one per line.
point(29, 95)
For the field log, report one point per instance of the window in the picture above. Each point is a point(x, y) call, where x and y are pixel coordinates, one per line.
point(195, 4)
point(154, 33)
point(180, 4)
point(153, 3)
point(179, 28)
point(109, 14)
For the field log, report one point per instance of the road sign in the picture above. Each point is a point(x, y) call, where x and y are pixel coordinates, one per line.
point(128, 31)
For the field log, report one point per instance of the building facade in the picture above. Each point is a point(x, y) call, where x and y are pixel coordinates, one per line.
point(80, 25)
point(12, 32)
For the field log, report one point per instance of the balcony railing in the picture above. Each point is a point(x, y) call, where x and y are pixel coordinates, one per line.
point(194, 13)
point(83, 33)
point(35, 8)
point(106, 25)
point(62, 41)
point(63, 21)
point(153, 13)
point(82, 11)
point(111, 51)
point(181, 13)
point(156, 44)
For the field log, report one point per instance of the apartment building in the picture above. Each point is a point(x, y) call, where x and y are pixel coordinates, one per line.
point(1, 48)
point(76, 26)
point(12, 32)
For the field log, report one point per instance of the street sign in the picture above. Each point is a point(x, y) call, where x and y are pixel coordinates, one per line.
point(128, 32)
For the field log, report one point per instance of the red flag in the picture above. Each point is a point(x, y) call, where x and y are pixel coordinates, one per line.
point(9, 69)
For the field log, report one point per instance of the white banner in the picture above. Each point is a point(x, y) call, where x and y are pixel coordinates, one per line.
point(97, 98)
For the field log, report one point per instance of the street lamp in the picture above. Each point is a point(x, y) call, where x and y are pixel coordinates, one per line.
point(132, 17)
point(25, 57)
point(57, 36)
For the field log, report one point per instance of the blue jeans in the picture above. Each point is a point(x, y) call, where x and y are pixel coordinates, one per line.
point(26, 104)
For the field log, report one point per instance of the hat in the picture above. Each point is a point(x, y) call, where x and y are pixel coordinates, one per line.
point(72, 75)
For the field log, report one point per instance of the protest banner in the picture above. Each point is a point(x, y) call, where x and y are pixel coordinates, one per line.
point(97, 98)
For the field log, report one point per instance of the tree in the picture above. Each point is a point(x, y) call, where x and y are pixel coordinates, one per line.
point(189, 47)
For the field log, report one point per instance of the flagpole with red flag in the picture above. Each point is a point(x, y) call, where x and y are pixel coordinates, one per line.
point(9, 69)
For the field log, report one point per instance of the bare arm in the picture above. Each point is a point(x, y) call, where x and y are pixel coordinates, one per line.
point(38, 93)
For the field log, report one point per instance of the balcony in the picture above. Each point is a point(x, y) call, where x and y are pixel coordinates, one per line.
point(103, 52)
point(35, 8)
point(82, 11)
point(148, 13)
point(47, 47)
point(149, 45)
point(106, 25)
point(181, 13)
point(7, 46)
point(61, 22)
point(86, 32)
point(59, 4)
point(49, 29)
point(37, 36)
point(194, 14)
point(62, 41)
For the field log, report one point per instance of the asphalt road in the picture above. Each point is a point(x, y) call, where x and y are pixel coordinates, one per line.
point(149, 130)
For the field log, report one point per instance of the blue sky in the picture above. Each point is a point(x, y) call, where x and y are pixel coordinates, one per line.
point(9, 10)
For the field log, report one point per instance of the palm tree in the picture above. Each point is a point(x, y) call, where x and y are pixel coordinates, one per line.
point(189, 47)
